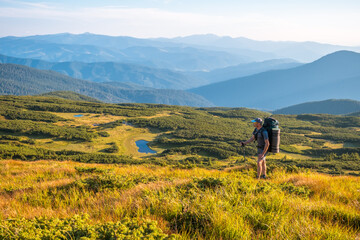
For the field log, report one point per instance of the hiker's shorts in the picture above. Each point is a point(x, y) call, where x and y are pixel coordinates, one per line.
point(260, 151)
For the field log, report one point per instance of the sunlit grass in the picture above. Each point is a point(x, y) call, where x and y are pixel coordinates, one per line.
point(333, 145)
point(124, 136)
point(194, 203)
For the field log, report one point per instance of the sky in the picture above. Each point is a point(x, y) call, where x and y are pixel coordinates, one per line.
point(325, 21)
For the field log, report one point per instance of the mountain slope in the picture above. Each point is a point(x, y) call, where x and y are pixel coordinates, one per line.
point(149, 77)
point(242, 70)
point(336, 75)
point(22, 80)
point(112, 72)
point(70, 95)
point(355, 114)
point(331, 106)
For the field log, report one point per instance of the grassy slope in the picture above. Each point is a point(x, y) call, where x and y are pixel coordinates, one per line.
point(124, 136)
point(195, 204)
point(185, 130)
point(70, 95)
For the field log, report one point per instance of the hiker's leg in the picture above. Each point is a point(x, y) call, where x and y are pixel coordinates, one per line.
point(259, 166)
point(263, 167)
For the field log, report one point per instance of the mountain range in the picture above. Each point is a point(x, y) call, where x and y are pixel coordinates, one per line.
point(336, 75)
point(263, 50)
point(177, 57)
point(191, 53)
point(112, 72)
point(221, 71)
point(22, 80)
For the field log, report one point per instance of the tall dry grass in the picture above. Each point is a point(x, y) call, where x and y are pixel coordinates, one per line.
point(194, 203)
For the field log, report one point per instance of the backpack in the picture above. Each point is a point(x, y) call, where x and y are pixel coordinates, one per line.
point(272, 127)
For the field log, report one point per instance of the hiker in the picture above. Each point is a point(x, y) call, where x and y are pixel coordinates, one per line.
point(260, 134)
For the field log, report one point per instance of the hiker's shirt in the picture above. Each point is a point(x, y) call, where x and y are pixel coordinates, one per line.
point(260, 136)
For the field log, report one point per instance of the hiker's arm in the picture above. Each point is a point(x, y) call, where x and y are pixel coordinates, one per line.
point(250, 140)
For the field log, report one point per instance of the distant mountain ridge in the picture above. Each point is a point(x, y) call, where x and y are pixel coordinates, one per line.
point(112, 72)
point(149, 77)
point(250, 49)
point(190, 53)
point(176, 57)
point(336, 75)
point(22, 80)
point(331, 106)
point(300, 51)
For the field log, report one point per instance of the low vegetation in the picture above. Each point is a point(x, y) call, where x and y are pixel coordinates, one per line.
point(67, 200)
point(66, 177)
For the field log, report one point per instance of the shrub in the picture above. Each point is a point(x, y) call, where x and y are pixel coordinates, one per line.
point(90, 170)
point(113, 149)
point(79, 227)
point(302, 191)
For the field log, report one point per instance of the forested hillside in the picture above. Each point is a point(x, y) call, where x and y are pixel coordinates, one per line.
point(112, 72)
point(22, 80)
point(70, 95)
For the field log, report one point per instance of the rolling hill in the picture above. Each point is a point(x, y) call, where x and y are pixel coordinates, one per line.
point(22, 80)
point(112, 72)
point(150, 77)
point(331, 106)
point(336, 75)
point(242, 70)
point(355, 114)
point(71, 170)
point(70, 96)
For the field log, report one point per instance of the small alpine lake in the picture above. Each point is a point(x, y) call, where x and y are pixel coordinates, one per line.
point(143, 147)
point(79, 115)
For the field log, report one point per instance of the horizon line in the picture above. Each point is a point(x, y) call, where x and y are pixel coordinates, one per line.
point(184, 36)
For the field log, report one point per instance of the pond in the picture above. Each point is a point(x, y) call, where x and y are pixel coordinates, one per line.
point(79, 115)
point(143, 147)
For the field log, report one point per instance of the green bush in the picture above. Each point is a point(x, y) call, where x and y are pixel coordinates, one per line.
point(302, 191)
point(79, 228)
point(89, 170)
point(46, 129)
point(113, 149)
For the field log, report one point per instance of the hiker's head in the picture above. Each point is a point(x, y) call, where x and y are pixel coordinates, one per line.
point(257, 122)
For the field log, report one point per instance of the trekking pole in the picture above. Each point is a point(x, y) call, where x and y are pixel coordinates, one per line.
point(243, 145)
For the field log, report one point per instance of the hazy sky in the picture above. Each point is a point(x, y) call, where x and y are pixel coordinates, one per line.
point(327, 21)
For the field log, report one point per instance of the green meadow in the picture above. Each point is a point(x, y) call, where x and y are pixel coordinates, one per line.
point(66, 177)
